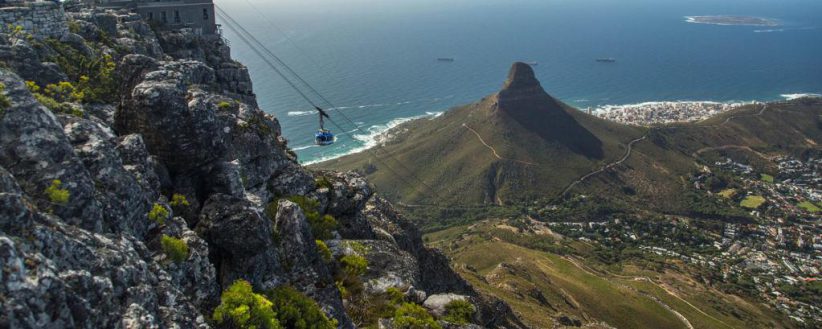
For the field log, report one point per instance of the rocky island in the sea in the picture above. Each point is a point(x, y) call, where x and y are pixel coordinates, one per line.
point(731, 20)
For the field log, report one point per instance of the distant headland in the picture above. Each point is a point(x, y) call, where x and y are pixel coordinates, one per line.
point(731, 20)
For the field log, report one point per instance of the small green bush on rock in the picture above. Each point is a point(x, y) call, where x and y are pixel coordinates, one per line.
point(353, 265)
point(178, 200)
point(4, 100)
point(158, 214)
point(323, 182)
point(322, 226)
point(174, 248)
point(297, 311)
point(240, 307)
point(413, 316)
point(459, 311)
point(56, 194)
point(223, 105)
point(322, 248)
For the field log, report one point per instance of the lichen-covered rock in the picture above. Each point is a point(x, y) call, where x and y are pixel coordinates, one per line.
point(123, 203)
point(34, 148)
point(25, 61)
point(436, 303)
point(303, 265)
point(241, 241)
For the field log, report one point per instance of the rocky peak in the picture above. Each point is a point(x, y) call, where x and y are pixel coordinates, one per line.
point(522, 92)
point(521, 77)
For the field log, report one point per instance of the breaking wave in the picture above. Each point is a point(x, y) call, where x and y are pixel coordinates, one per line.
point(373, 136)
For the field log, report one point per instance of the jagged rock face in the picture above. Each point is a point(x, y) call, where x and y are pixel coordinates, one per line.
point(241, 240)
point(34, 148)
point(187, 124)
point(26, 62)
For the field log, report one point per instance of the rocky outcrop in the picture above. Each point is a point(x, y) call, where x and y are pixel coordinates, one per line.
point(90, 198)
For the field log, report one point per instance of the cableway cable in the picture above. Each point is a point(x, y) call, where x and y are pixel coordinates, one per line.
point(246, 37)
point(317, 93)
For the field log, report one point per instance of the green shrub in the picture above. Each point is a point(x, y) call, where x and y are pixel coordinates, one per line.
point(342, 289)
point(73, 26)
point(178, 200)
point(353, 265)
point(459, 311)
point(94, 76)
point(395, 296)
point(323, 182)
point(4, 100)
point(57, 195)
point(240, 307)
point(174, 248)
point(51, 103)
point(63, 91)
point(367, 309)
point(271, 209)
point(358, 247)
point(321, 226)
point(322, 248)
point(223, 105)
point(296, 311)
point(158, 214)
point(413, 316)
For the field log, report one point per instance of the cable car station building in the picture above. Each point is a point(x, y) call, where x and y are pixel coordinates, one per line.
point(195, 14)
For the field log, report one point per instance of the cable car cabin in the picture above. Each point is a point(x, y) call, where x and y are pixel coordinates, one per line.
point(324, 137)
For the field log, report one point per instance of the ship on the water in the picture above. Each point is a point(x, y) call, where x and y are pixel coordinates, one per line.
point(606, 60)
point(445, 59)
point(532, 63)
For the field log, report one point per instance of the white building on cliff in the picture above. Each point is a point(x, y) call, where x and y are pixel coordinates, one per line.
point(195, 14)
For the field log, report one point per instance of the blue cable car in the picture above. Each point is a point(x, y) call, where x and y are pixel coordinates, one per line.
point(323, 137)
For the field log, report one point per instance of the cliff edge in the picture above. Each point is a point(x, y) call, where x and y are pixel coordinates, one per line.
point(139, 180)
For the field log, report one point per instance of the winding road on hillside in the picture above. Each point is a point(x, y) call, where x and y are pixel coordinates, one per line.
point(579, 264)
point(494, 151)
point(695, 154)
point(607, 166)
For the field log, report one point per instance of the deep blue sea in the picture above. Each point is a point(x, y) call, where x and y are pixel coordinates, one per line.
point(376, 60)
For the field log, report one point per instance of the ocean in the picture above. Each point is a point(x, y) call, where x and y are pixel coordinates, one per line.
point(376, 61)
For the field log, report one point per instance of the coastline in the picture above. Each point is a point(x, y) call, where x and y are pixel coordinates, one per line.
point(647, 113)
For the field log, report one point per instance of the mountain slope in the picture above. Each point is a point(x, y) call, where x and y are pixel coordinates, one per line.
point(517, 144)
point(521, 144)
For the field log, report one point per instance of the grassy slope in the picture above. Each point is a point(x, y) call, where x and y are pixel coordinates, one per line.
point(624, 300)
